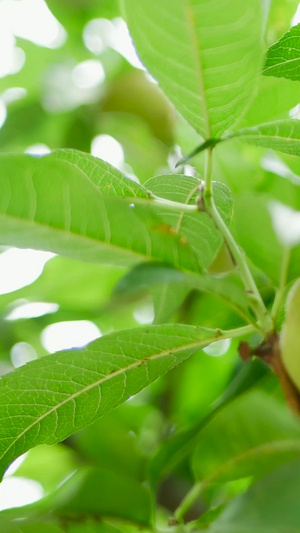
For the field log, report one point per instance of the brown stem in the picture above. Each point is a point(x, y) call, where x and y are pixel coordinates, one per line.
point(269, 352)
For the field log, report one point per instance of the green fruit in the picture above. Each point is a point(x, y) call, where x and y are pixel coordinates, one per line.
point(290, 335)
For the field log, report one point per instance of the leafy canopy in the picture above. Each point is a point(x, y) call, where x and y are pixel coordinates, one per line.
point(182, 253)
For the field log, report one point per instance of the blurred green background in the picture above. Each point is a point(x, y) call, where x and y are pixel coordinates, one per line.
point(70, 77)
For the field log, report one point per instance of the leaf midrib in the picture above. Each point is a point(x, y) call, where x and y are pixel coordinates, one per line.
point(98, 383)
point(270, 137)
point(199, 68)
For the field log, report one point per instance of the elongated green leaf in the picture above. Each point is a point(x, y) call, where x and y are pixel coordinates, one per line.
point(90, 491)
point(167, 299)
point(48, 399)
point(270, 506)
point(103, 492)
point(283, 58)
point(282, 136)
point(258, 434)
point(144, 276)
point(184, 189)
point(205, 55)
point(50, 204)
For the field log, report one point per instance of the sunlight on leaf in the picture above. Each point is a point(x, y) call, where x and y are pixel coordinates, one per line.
point(207, 60)
point(282, 135)
point(78, 386)
point(283, 58)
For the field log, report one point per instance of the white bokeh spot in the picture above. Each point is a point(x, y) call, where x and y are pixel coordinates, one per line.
point(19, 268)
point(32, 310)
point(295, 112)
point(32, 20)
point(218, 348)
point(286, 223)
point(13, 95)
point(296, 18)
point(69, 334)
point(109, 149)
point(88, 74)
point(22, 353)
point(66, 88)
point(18, 491)
point(100, 34)
point(3, 112)
point(144, 314)
point(38, 149)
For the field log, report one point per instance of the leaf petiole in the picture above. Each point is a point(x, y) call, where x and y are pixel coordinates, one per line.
point(206, 202)
point(209, 144)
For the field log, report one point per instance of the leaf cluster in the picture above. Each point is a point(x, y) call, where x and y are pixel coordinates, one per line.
point(176, 254)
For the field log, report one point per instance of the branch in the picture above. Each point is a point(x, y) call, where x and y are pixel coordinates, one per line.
point(269, 352)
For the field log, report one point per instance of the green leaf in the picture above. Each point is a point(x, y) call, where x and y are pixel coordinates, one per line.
point(73, 285)
point(107, 442)
point(167, 299)
point(35, 466)
point(189, 402)
point(283, 57)
point(89, 491)
point(258, 238)
point(179, 446)
point(274, 100)
point(142, 277)
point(282, 136)
point(106, 493)
point(206, 56)
point(75, 15)
point(144, 152)
point(184, 189)
point(48, 399)
point(258, 434)
point(31, 527)
point(108, 179)
point(92, 526)
point(211, 143)
point(50, 204)
point(270, 506)
point(280, 16)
